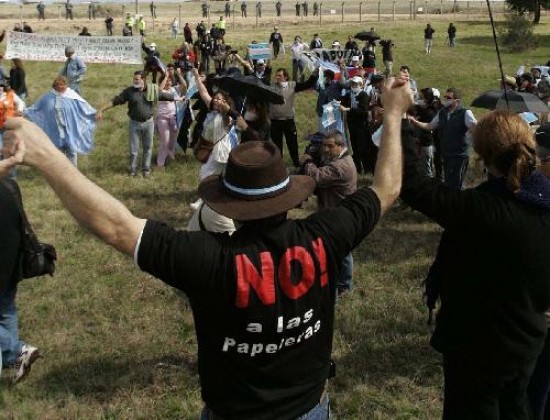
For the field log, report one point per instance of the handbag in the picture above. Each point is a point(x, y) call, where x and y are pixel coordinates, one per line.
point(202, 149)
point(37, 258)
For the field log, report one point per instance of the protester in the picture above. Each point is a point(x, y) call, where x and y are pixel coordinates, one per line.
point(316, 42)
point(297, 48)
point(188, 34)
point(283, 115)
point(387, 55)
point(369, 59)
point(166, 119)
point(454, 124)
point(204, 8)
point(18, 78)
point(257, 117)
point(490, 327)
point(451, 34)
point(276, 40)
point(14, 352)
point(11, 106)
point(335, 178)
point(152, 64)
point(109, 25)
point(315, 8)
point(84, 32)
point(428, 141)
point(278, 8)
point(66, 118)
point(237, 306)
point(243, 9)
point(352, 45)
point(297, 8)
point(356, 105)
point(174, 27)
point(206, 48)
point(73, 69)
point(141, 126)
point(538, 390)
point(428, 38)
point(305, 8)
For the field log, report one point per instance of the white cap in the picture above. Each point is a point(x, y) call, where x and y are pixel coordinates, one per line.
point(260, 61)
point(357, 79)
point(335, 44)
point(436, 93)
point(152, 45)
point(355, 58)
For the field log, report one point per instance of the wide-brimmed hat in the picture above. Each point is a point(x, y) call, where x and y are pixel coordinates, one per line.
point(255, 184)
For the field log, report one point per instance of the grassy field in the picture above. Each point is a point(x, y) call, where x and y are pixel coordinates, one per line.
point(118, 344)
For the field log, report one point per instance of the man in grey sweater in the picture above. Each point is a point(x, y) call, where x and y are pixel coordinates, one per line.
point(282, 116)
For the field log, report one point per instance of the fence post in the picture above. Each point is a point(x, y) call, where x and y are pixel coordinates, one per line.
point(360, 12)
point(208, 13)
point(59, 11)
point(320, 12)
point(468, 10)
point(21, 15)
point(426, 9)
point(233, 11)
point(379, 11)
point(414, 9)
point(343, 11)
point(256, 12)
point(393, 11)
point(179, 15)
point(137, 7)
point(441, 8)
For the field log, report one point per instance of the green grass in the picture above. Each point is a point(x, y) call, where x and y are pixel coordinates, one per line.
point(118, 344)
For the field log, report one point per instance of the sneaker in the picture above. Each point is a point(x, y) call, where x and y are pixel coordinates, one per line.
point(26, 358)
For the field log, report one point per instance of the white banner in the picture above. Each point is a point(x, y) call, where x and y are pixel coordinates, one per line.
point(92, 49)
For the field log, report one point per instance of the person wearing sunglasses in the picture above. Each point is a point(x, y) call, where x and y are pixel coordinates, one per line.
point(454, 125)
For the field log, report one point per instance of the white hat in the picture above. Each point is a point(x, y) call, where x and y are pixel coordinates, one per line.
point(357, 80)
point(335, 44)
point(355, 58)
point(436, 93)
point(152, 45)
point(260, 61)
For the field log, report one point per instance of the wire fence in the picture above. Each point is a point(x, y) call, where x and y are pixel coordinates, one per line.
point(316, 12)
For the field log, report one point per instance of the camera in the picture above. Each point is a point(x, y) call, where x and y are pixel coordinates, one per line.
point(185, 65)
point(234, 51)
point(314, 148)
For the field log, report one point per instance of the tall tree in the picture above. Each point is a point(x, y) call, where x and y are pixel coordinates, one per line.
point(529, 6)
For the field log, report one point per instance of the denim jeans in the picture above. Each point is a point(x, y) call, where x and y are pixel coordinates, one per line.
point(320, 412)
point(297, 70)
point(427, 153)
point(9, 331)
point(346, 274)
point(141, 132)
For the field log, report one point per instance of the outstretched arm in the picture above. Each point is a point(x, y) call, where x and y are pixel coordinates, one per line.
point(92, 207)
point(396, 98)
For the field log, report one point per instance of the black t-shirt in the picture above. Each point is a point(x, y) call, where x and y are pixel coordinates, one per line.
point(276, 38)
point(263, 303)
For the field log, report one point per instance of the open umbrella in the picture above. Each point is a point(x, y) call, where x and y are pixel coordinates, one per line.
point(367, 36)
point(517, 101)
point(250, 87)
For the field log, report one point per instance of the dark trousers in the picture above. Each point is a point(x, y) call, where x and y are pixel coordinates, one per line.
point(276, 48)
point(298, 70)
point(478, 392)
point(364, 151)
point(454, 171)
point(288, 129)
point(539, 384)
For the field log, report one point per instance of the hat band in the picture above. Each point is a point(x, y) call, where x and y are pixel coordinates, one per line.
point(255, 192)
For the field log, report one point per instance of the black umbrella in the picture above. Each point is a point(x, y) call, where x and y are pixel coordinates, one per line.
point(250, 87)
point(512, 100)
point(367, 36)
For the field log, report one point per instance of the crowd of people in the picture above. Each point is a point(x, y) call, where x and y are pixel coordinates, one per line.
point(262, 287)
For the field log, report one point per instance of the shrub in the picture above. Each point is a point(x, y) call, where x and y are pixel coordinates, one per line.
point(517, 33)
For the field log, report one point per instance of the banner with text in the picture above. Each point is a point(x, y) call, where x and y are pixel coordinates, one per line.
point(92, 49)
